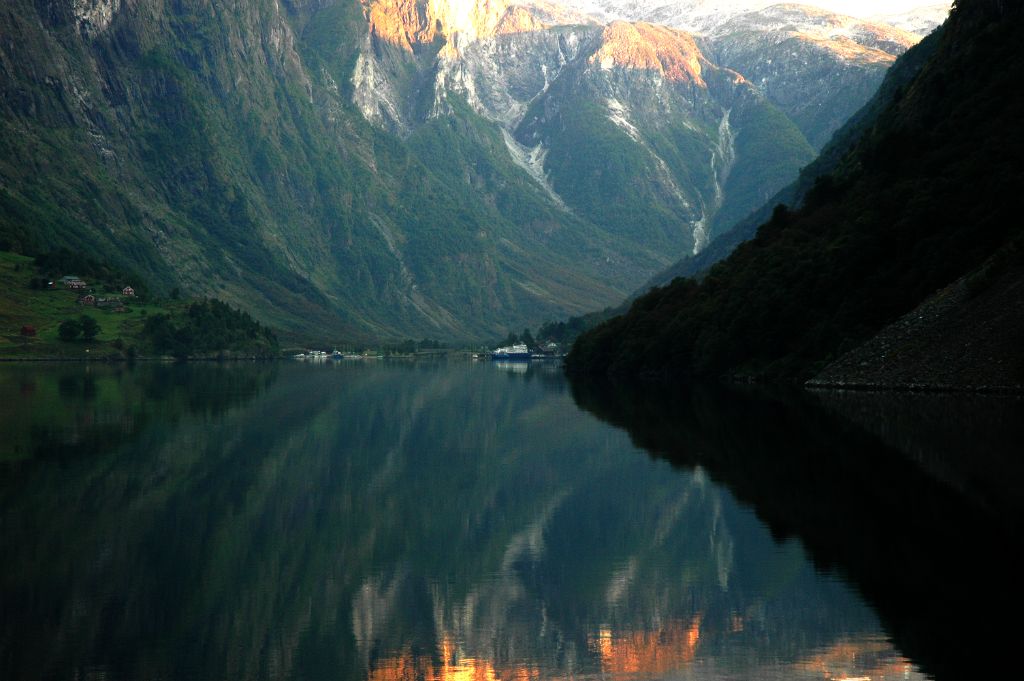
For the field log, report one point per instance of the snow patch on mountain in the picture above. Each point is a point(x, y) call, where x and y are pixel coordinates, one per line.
point(920, 20)
point(705, 15)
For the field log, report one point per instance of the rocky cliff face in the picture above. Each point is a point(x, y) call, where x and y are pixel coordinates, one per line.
point(628, 125)
point(817, 66)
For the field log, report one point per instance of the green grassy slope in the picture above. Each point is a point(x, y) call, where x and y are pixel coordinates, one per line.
point(45, 309)
point(31, 317)
point(769, 149)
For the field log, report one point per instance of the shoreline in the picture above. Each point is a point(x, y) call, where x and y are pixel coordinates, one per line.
point(865, 387)
point(125, 360)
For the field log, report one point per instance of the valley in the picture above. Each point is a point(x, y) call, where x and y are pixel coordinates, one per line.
point(376, 171)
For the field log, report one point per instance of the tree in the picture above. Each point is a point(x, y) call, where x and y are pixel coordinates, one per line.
point(527, 338)
point(89, 327)
point(69, 330)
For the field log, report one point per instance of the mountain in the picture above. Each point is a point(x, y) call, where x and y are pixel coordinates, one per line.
point(443, 169)
point(829, 161)
point(629, 126)
point(405, 168)
point(920, 20)
point(216, 147)
point(817, 66)
point(921, 199)
point(691, 15)
point(704, 15)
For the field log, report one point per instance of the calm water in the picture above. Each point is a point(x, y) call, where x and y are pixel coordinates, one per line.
point(468, 521)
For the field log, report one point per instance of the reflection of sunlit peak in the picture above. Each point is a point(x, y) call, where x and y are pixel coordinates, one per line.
point(453, 667)
point(620, 582)
point(648, 652)
point(530, 541)
point(862, 659)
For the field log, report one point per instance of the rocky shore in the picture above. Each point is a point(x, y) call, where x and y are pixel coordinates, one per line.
point(967, 337)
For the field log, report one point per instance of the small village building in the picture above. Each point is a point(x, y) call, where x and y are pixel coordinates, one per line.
point(72, 282)
point(128, 291)
point(28, 330)
point(550, 348)
point(87, 299)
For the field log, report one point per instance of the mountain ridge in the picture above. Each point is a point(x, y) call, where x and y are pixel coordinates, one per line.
point(342, 172)
point(921, 199)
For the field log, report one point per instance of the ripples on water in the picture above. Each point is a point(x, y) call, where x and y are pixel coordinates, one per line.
point(458, 521)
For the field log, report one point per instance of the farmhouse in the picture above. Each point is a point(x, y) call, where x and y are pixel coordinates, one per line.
point(72, 282)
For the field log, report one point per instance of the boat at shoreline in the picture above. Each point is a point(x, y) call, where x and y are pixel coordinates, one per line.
point(512, 353)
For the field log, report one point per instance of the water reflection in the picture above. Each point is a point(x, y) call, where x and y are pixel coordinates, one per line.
point(389, 522)
point(69, 410)
point(888, 506)
point(971, 443)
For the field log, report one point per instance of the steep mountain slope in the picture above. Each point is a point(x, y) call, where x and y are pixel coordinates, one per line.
point(922, 199)
point(816, 65)
point(628, 126)
point(831, 161)
point(215, 146)
point(969, 334)
point(383, 168)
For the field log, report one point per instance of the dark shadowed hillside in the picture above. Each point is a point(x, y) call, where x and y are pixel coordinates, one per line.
point(925, 196)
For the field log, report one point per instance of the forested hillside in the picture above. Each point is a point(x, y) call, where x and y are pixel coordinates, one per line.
point(924, 197)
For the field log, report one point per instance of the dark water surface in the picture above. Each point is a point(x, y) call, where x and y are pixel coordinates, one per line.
point(465, 521)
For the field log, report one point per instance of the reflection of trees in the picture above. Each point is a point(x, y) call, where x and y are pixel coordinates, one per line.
point(78, 410)
point(925, 555)
point(971, 442)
